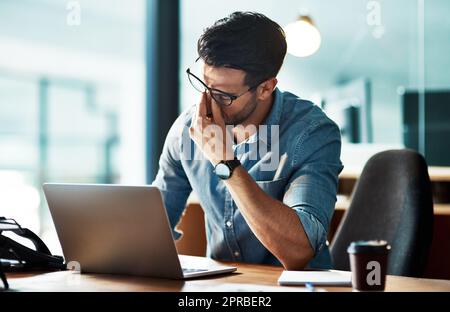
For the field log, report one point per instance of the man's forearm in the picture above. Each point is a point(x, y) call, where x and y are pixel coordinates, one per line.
point(276, 225)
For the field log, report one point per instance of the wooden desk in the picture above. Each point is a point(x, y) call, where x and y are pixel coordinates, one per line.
point(248, 277)
point(437, 174)
point(343, 202)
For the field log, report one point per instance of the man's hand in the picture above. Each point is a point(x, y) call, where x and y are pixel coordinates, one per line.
point(210, 134)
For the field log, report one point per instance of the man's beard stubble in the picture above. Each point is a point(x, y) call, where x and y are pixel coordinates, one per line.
point(243, 115)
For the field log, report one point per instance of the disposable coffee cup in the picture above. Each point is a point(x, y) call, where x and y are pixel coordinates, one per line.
point(368, 262)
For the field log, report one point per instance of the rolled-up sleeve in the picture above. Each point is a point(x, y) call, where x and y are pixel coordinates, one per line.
point(171, 178)
point(312, 188)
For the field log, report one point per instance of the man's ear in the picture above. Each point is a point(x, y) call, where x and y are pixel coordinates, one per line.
point(266, 88)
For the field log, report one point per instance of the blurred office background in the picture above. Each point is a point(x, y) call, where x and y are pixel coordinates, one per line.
point(72, 100)
point(89, 97)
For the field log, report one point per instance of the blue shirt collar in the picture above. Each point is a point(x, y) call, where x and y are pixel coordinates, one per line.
point(272, 119)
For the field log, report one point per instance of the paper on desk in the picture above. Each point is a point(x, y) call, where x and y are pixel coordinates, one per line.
point(237, 287)
point(331, 277)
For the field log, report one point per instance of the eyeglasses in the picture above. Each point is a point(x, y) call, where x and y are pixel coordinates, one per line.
point(221, 97)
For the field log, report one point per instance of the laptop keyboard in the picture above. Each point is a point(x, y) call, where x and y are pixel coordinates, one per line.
point(188, 270)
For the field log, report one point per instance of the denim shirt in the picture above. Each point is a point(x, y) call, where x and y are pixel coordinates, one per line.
point(296, 160)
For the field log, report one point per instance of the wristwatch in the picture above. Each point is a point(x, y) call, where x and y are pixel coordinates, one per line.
point(225, 168)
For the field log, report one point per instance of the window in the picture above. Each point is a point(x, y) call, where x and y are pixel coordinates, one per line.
point(72, 100)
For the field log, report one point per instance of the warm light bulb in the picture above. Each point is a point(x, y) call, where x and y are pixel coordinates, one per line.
point(303, 38)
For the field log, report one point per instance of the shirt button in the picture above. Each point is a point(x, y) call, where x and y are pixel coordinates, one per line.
point(236, 253)
point(229, 223)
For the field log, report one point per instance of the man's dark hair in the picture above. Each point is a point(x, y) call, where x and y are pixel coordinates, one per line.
point(247, 41)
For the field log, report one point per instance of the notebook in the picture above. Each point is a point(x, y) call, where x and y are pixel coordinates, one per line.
point(327, 278)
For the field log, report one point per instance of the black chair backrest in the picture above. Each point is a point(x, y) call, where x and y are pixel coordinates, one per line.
point(392, 200)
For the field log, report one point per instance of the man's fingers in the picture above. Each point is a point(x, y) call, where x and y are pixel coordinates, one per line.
point(209, 114)
point(193, 121)
point(217, 113)
point(201, 106)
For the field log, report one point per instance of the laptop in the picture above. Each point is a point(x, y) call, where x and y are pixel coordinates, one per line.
point(117, 229)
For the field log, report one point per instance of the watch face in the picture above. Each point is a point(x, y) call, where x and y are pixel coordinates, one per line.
point(222, 171)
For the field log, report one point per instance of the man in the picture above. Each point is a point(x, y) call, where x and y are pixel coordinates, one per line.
point(255, 211)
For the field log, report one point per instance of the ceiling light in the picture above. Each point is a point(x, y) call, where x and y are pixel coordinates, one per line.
point(303, 37)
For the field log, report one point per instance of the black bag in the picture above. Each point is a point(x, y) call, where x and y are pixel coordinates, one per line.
point(17, 257)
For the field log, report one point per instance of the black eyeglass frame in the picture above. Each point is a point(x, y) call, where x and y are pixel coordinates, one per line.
point(232, 97)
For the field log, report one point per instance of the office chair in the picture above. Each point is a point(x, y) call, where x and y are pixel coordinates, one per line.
point(392, 200)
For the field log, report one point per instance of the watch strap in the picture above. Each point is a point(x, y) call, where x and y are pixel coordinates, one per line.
point(232, 164)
